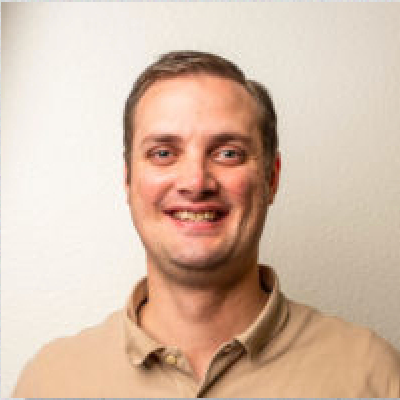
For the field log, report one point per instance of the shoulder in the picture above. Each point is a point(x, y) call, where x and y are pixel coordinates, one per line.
point(88, 345)
point(69, 359)
point(351, 352)
point(314, 324)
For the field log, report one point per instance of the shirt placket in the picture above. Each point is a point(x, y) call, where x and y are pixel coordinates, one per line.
point(176, 365)
point(225, 357)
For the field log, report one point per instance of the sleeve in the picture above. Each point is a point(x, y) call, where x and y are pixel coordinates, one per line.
point(42, 376)
point(385, 376)
point(29, 383)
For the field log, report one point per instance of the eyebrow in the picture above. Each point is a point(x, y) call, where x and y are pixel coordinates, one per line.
point(224, 137)
point(161, 138)
point(218, 138)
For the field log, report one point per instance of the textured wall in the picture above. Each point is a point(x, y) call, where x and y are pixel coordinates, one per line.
point(69, 253)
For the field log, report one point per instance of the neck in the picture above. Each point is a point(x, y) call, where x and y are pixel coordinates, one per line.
point(199, 321)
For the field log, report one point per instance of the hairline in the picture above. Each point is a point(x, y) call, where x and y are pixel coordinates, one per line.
point(245, 84)
point(177, 64)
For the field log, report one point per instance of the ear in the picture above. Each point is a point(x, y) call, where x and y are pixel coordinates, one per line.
point(273, 181)
point(127, 185)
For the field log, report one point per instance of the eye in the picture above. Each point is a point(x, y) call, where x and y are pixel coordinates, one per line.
point(161, 156)
point(230, 153)
point(230, 156)
point(162, 153)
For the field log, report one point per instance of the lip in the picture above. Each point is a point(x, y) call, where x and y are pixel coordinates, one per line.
point(220, 210)
point(198, 208)
point(198, 226)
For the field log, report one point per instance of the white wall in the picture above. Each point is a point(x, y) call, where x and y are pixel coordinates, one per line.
point(69, 252)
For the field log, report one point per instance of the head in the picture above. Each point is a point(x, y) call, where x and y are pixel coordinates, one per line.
point(179, 63)
point(201, 167)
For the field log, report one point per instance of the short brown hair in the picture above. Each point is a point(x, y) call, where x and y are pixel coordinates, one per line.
point(177, 63)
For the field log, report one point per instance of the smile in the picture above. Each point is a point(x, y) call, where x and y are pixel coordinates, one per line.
point(195, 216)
point(200, 216)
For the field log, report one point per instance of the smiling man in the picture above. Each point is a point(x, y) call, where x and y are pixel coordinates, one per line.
point(201, 169)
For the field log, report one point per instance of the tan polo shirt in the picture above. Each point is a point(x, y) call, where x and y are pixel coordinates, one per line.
point(290, 350)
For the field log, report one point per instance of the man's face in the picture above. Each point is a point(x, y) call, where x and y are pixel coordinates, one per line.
point(198, 193)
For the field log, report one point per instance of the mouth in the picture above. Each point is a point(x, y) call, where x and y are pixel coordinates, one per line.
point(206, 215)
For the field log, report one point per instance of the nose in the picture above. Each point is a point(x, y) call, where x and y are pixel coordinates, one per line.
point(196, 181)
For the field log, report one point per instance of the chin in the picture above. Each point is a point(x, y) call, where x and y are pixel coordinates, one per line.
point(203, 273)
point(208, 263)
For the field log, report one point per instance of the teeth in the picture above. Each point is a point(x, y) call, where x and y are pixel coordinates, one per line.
point(195, 216)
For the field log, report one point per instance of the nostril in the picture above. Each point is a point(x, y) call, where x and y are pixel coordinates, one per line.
point(199, 183)
point(198, 195)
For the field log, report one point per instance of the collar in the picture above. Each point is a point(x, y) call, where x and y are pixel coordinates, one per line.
point(272, 317)
point(140, 347)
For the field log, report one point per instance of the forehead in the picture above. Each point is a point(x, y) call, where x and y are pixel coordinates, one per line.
point(195, 102)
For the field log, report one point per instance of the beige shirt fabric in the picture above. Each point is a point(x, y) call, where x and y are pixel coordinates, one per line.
point(290, 350)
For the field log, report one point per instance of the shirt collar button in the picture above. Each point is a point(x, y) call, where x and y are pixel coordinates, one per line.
point(170, 359)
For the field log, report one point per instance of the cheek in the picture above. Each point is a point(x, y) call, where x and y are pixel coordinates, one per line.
point(147, 186)
point(245, 187)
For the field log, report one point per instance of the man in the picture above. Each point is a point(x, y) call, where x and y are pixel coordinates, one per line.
point(201, 169)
